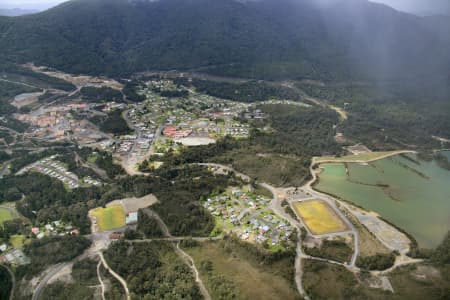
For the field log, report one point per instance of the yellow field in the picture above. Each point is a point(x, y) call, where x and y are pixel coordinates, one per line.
point(109, 218)
point(319, 217)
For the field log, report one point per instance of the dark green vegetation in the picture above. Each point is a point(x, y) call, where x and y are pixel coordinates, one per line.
point(152, 270)
point(103, 94)
point(130, 91)
point(249, 91)
point(67, 291)
point(441, 255)
point(113, 123)
point(327, 281)
point(21, 74)
point(8, 91)
point(281, 157)
point(335, 249)
point(85, 271)
point(233, 269)
point(392, 115)
point(376, 262)
point(429, 280)
point(50, 199)
point(103, 160)
point(179, 199)
point(51, 250)
point(149, 227)
point(116, 291)
point(5, 283)
point(179, 191)
point(261, 39)
point(84, 274)
point(13, 227)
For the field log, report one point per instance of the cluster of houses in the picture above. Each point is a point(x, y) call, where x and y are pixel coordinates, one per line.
point(55, 169)
point(249, 216)
point(15, 257)
point(254, 114)
point(54, 228)
point(49, 166)
point(91, 181)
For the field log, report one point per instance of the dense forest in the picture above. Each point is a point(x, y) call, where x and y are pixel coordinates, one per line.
point(113, 123)
point(289, 39)
point(153, 271)
point(103, 94)
point(250, 91)
point(51, 250)
point(5, 283)
point(390, 116)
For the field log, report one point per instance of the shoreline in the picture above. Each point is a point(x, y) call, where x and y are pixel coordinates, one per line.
point(414, 245)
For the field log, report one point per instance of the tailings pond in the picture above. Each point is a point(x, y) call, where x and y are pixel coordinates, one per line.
point(410, 193)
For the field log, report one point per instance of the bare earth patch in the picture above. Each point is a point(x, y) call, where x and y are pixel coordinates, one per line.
point(134, 204)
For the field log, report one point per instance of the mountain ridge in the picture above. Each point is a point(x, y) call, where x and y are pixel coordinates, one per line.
point(262, 39)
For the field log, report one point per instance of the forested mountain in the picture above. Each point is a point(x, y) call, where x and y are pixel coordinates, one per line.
point(325, 39)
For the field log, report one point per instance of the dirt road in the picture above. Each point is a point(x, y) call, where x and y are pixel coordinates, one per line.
point(183, 255)
point(117, 276)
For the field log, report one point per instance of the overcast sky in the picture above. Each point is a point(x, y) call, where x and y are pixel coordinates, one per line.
point(414, 6)
point(420, 6)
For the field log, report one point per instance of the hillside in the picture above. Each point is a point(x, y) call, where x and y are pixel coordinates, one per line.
point(327, 39)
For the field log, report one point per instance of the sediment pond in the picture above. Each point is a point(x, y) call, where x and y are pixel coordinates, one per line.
point(410, 193)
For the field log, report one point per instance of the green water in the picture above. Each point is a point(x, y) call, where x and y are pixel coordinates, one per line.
point(417, 200)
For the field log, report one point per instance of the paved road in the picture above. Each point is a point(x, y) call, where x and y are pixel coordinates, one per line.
point(308, 188)
point(131, 159)
point(52, 271)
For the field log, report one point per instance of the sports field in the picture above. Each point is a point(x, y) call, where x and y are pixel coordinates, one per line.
point(5, 215)
point(319, 217)
point(110, 217)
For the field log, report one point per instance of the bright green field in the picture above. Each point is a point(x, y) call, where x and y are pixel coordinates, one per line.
point(110, 217)
point(5, 215)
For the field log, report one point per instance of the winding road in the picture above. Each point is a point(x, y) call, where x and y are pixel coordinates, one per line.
point(117, 276)
point(183, 255)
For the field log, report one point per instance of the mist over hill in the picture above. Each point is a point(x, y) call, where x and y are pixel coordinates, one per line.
point(268, 39)
point(14, 12)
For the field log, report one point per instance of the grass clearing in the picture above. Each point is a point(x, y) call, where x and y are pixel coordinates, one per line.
point(355, 158)
point(328, 281)
point(229, 274)
point(5, 215)
point(110, 217)
point(319, 217)
point(275, 169)
point(17, 241)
